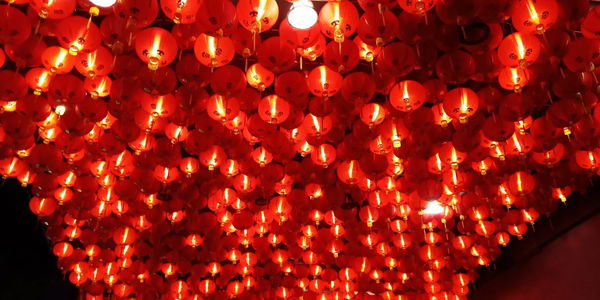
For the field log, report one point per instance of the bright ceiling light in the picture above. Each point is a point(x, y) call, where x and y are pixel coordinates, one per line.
point(103, 3)
point(433, 208)
point(302, 15)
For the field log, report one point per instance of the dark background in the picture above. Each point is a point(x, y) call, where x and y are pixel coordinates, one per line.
point(26, 257)
point(558, 260)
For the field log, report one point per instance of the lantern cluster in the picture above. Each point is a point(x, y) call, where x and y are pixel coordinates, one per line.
point(217, 149)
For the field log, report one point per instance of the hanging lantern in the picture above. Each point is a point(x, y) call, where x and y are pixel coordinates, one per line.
point(156, 47)
point(95, 63)
point(38, 79)
point(417, 6)
point(257, 15)
point(534, 16)
point(273, 109)
point(57, 60)
point(98, 86)
point(259, 77)
point(372, 114)
point(513, 78)
point(53, 9)
point(460, 103)
point(407, 95)
point(338, 20)
point(323, 82)
point(222, 109)
point(324, 155)
point(181, 11)
point(519, 50)
point(78, 35)
point(214, 51)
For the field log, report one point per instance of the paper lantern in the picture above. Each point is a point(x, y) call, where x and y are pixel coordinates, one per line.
point(156, 47)
point(214, 51)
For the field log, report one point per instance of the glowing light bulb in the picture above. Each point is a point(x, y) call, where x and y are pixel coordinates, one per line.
point(103, 3)
point(433, 208)
point(302, 15)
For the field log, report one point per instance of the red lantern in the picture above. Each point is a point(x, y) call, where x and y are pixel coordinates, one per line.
point(63, 249)
point(53, 9)
point(534, 16)
point(513, 78)
point(349, 172)
point(377, 28)
point(181, 12)
point(156, 47)
point(98, 86)
point(95, 63)
point(417, 6)
point(324, 155)
point(521, 183)
point(15, 25)
point(407, 95)
point(214, 51)
point(138, 13)
point(519, 50)
point(222, 109)
point(257, 15)
point(57, 60)
point(273, 109)
point(323, 82)
point(338, 20)
point(38, 79)
point(590, 26)
point(461, 103)
point(398, 58)
point(372, 114)
point(78, 35)
point(342, 57)
point(259, 77)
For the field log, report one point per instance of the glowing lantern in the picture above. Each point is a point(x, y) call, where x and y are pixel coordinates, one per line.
point(323, 155)
point(259, 77)
point(407, 95)
point(274, 110)
point(222, 109)
point(257, 15)
point(78, 35)
point(38, 79)
point(156, 47)
point(521, 183)
point(213, 157)
point(417, 6)
point(338, 20)
point(214, 51)
point(57, 60)
point(519, 50)
point(513, 78)
point(589, 160)
point(98, 86)
point(324, 82)
point(534, 16)
point(372, 114)
point(58, 9)
point(181, 11)
point(95, 63)
point(461, 103)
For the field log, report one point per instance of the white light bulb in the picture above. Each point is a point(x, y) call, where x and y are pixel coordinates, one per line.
point(302, 15)
point(103, 3)
point(433, 208)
